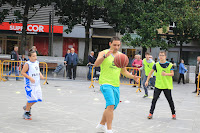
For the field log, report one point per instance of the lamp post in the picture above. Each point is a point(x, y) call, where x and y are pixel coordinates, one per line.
point(53, 4)
point(49, 46)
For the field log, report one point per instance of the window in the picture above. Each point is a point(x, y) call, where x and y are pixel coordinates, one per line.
point(171, 26)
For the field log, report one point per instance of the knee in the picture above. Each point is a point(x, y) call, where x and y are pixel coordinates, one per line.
point(154, 99)
point(110, 108)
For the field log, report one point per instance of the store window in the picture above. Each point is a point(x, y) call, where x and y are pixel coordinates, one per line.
point(130, 53)
point(99, 44)
point(1, 45)
point(190, 57)
point(8, 42)
point(11, 42)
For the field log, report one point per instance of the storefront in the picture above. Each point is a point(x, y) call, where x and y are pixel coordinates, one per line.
point(38, 35)
point(69, 43)
point(76, 40)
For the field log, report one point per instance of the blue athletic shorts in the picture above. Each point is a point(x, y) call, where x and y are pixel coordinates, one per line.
point(111, 95)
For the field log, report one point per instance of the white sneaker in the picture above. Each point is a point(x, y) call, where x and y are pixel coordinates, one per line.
point(109, 131)
point(101, 128)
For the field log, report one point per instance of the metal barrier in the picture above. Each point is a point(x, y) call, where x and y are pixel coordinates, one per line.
point(198, 81)
point(9, 65)
point(123, 79)
point(0, 72)
point(93, 80)
point(126, 81)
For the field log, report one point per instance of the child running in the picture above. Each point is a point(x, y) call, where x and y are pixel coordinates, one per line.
point(32, 76)
point(164, 82)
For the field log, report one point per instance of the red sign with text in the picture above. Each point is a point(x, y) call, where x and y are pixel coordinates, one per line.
point(30, 27)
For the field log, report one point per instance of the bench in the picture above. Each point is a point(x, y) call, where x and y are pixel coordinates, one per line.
point(2, 59)
point(50, 65)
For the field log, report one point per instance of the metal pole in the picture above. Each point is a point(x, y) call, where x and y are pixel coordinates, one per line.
point(52, 27)
point(49, 47)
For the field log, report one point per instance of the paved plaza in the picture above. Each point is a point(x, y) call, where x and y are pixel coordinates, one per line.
point(69, 106)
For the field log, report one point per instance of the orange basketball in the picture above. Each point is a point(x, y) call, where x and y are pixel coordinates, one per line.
point(121, 60)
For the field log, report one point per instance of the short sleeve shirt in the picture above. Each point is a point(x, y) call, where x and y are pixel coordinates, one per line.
point(163, 65)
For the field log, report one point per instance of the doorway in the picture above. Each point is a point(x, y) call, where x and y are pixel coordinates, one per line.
point(11, 42)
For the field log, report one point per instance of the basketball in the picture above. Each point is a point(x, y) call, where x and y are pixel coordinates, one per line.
point(121, 60)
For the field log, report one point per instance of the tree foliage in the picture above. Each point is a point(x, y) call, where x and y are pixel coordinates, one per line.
point(82, 12)
point(144, 17)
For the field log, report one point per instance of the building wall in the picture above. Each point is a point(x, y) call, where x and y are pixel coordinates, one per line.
point(154, 52)
point(81, 49)
point(57, 48)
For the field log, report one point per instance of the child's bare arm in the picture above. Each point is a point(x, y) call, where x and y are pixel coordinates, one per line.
point(41, 76)
point(149, 76)
point(23, 72)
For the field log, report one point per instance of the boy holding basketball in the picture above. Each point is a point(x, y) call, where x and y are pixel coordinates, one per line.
point(164, 82)
point(109, 80)
point(32, 76)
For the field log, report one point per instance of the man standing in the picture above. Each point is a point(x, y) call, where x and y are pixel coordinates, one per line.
point(197, 71)
point(68, 51)
point(91, 60)
point(15, 65)
point(35, 49)
point(147, 66)
point(72, 60)
point(110, 80)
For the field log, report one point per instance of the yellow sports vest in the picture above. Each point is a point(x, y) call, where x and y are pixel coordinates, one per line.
point(163, 82)
point(148, 66)
point(110, 74)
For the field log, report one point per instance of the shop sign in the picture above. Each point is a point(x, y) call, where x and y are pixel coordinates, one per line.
point(32, 28)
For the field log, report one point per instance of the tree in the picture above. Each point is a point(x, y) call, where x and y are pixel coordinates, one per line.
point(186, 16)
point(142, 17)
point(82, 12)
point(145, 17)
point(26, 5)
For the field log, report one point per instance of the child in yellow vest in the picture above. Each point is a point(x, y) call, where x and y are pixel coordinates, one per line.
point(147, 66)
point(164, 82)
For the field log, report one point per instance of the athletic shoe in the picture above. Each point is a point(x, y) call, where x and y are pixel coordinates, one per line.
point(174, 116)
point(194, 92)
point(145, 96)
point(26, 116)
point(29, 110)
point(109, 131)
point(101, 128)
point(6, 77)
point(150, 116)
